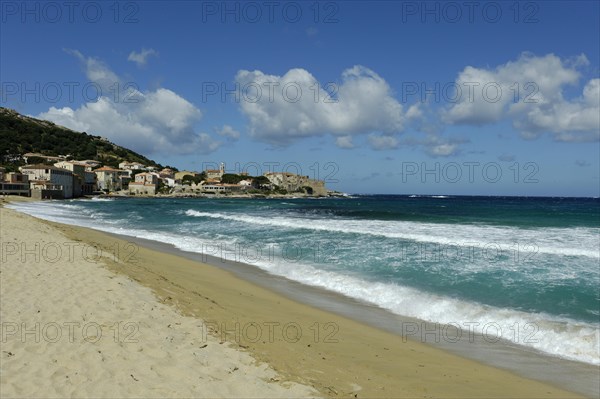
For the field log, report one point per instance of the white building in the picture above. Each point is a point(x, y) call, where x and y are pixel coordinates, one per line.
point(57, 177)
point(168, 181)
point(108, 178)
point(222, 188)
point(144, 184)
point(87, 180)
point(131, 166)
point(90, 164)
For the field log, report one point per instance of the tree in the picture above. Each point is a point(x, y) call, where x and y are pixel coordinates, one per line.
point(191, 179)
point(163, 188)
point(261, 181)
point(230, 178)
point(35, 160)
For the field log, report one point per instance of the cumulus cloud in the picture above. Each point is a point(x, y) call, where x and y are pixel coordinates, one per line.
point(281, 109)
point(96, 70)
point(437, 146)
point(576, 121)
point(141, 58)
point(344, 142)
point(381, 142)
point(229, 132)
point(158, 121)
point(529, 91)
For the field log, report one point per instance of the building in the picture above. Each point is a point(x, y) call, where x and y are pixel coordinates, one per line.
point(89, 182)
point(144, 184)
point(167, 173)
point(222, 188)
point(216, 173)
point(131, 166)
point(14, 183)
point(168, 181)
point(247, 183)
point(86, 184)
point(90, 164)
point(61, 180)
point(42, 189)
point(76, 167)
point(108, 179)
point(125, 177)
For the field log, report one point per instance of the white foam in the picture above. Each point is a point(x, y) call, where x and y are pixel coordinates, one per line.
point(566, 338)
point(579, 241)
point(561, 337)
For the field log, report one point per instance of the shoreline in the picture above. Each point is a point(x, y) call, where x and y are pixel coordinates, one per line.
point(523, 361)
point(384, 363)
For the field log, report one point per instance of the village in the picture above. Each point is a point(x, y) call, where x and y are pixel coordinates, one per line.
point(59, 178)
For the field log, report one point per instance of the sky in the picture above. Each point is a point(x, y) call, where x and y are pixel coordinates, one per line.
point(381, 97)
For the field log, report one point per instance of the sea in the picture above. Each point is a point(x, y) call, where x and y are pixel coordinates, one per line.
point(522, 270)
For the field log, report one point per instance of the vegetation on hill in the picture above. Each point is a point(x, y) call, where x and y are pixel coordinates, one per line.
point(230, 178)
point(189, 179)
point(21, 134)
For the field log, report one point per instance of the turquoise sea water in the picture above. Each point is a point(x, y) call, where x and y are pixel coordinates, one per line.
point(526, 269)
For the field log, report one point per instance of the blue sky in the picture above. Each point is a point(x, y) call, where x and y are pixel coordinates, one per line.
point(343, 88)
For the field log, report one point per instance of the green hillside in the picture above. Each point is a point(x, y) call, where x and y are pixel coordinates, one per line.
point(21, 134)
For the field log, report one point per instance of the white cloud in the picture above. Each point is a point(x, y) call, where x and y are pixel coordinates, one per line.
point(157, 121)
point(437, 146)
point(576, 120)
point(381, 143)
point(229, 132)
point(529, 91)
point(344, 142)
point(442, 150)
point(141, 58)
point(96, 71)
point(295, 105)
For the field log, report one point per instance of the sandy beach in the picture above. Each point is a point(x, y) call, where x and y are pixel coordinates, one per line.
point(85, 314)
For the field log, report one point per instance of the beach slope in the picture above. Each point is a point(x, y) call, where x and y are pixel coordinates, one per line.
point(136, 322)
point(72, 328)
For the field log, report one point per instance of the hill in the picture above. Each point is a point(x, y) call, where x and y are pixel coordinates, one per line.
point(20, 134)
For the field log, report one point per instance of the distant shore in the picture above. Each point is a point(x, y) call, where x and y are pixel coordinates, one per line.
point(356, 361)
point(229, 195)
